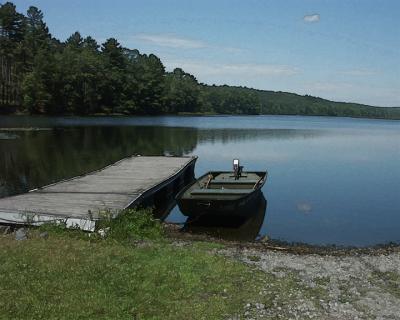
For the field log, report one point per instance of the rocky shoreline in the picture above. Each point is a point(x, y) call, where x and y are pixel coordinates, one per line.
point(313, 282)
point(307, 286)
point(174, 231)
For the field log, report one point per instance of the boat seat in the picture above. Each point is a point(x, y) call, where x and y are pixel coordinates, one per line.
point(220, 191)
point(226, 181)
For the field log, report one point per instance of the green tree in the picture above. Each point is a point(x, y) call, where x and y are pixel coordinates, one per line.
point(80, 69)
point(182, 92)
point(38, 84)
point(113, 79)
point(12, 25)
point(37, 36)
point(144, 88)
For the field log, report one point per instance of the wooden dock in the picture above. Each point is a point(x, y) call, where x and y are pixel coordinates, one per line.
point(79, 201)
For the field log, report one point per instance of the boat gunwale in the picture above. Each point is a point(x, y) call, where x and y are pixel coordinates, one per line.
point(180, 195)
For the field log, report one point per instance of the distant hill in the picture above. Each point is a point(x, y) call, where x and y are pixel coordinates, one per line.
point(285, 103)
point(290, 103)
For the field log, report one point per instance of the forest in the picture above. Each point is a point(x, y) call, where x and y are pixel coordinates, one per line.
point(43, 75)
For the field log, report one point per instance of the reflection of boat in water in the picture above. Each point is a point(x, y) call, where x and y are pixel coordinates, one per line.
point(232, 228)
point(222, 193)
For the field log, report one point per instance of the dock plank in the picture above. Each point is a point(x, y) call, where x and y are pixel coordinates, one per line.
point(82, 198)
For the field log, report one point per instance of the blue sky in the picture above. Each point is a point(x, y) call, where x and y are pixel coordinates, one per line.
point(344, 50)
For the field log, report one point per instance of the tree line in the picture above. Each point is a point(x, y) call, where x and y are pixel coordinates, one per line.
point(43, 75)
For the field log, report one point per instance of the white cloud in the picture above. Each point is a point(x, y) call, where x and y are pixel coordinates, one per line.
point(204, 69)
point(175, 41)
point(310, 18)
point(170, 40)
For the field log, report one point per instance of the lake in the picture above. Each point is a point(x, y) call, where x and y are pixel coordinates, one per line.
point(331, 180)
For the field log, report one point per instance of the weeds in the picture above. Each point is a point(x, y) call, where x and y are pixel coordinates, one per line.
point(131, 224)
point(125, 226)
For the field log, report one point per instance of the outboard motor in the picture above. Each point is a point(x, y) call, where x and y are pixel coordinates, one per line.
point(237, 169)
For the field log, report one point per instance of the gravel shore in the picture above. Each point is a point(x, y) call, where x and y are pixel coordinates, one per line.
point(349, 285)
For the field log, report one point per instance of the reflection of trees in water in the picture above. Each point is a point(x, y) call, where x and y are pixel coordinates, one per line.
point(232, 135)
point(39, 158)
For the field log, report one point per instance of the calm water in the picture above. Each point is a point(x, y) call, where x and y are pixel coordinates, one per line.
point(331, 180)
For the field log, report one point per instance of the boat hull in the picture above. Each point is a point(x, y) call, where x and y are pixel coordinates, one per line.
point(224, 202)
point(241, 207)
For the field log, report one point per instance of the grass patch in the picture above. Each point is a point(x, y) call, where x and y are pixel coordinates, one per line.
point(388, 281)
point(322, 281)
point(254, 258)
point(129, 225)
point(73, 276)
point(132, 224)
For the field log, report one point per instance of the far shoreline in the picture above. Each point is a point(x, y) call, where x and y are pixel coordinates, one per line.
point(184, 115)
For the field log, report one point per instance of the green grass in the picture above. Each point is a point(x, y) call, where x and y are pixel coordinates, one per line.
point(389, 281)
point(132, 225)
point(73, 276)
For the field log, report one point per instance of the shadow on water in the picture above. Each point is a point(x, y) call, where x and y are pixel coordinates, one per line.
point(230, 228)
point(163, 201)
